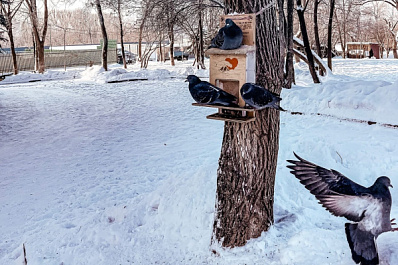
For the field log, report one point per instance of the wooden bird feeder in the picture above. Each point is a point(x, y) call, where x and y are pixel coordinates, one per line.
point(230, 69)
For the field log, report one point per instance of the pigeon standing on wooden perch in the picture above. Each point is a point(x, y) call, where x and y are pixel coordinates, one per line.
point(205, 93)
point(368, 207)
point(229, 37)
point(259, 98)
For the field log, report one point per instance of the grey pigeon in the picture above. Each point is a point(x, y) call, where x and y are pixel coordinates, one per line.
point(259, 98)
point(205, 93)
point(228, 37)
point(369, 208)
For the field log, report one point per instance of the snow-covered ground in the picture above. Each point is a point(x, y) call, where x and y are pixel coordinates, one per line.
point(125, 173)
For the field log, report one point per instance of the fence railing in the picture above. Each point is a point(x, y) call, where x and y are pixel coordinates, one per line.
point(56, 59)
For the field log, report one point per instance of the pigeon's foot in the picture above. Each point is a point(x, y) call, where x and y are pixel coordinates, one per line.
point(393, 223)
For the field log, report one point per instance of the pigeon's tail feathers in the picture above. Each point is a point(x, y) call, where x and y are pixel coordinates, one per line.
point(275, 103)
point(212, 46)
point(362, 245)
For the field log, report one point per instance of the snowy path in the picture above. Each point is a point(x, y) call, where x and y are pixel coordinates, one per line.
point(125, 173)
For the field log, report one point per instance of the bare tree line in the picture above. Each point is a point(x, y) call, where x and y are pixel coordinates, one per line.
point(157, 23)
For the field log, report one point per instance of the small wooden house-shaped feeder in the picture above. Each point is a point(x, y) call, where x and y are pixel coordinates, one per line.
point(230, 69)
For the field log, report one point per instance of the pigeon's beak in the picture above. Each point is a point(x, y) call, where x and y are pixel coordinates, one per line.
point(186, 80)
point(391, 186)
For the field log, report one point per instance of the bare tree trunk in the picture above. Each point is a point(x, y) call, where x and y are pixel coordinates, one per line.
point(310, 57)
point(140, 40)
point(12, 46)
point(119, 12)
point(289, 79)
point(9, 12)
point(330, 28)
point(104, 35)
point(40, 56)
point(200, 55)
point(161, 57)
point(340, 34)
point(171, 39)
point(316, 33)
point(39, 37)
point(394, 49)
point(247, 164)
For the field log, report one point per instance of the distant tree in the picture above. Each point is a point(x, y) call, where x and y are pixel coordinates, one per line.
point(300, 13)
point(345, 21)
point(392, 28)
point(330, 29)
point(201, 22)
point(39, 32)
point(393, 35)
point(117, 7)
point(3, 23)
point(316, 31)
point(8, 10)
point(101, 20)
point(147, 6)
point(289, 67)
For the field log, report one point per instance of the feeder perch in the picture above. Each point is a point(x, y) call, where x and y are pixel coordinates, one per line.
point(230, 69)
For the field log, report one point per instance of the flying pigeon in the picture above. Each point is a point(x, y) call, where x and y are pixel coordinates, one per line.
point(369, 208)
point(259, 98)
point(205, 93)
point(228, 37)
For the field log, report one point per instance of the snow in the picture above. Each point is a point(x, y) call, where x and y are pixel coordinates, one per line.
point(125, 173)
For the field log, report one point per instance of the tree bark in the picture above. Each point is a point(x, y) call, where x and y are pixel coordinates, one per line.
point(316, 33)
point(303, 28)
point(289, 68)
point(9, 12)
point(330, 28)
point(12, 45)
point(119, 12)
point(39, 37)
point(104, 35)
point(141, 31)
point(200, 55)
point(170, 33)
point(394, 50)
point(248, 159)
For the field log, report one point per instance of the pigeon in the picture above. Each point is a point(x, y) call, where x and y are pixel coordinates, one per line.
point(258, 97)
point(205, 93)
point(228, 37)
point(369, 208)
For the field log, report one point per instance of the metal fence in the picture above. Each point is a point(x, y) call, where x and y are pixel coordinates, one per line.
point(56, 59)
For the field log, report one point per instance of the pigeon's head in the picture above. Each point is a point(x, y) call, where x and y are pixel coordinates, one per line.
point(192, 79)
point(229, 22)
point(246, 88)
point(383, 181)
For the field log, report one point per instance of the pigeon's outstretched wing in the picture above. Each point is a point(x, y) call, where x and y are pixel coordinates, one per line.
point(352, 207)
point(322, 181)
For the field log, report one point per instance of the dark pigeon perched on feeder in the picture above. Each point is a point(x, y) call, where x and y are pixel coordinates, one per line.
point(229, 37)
point(369, 208)
point(205, 93)
point(258, 97)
